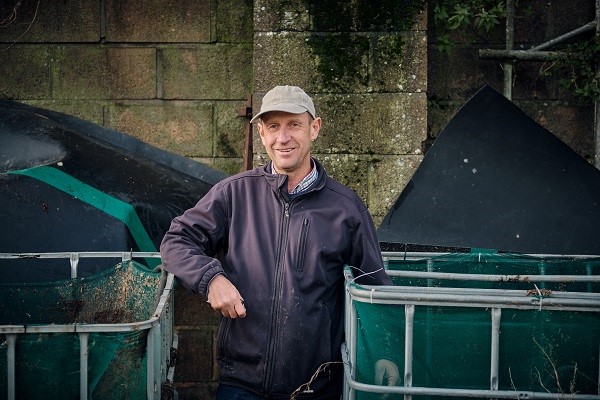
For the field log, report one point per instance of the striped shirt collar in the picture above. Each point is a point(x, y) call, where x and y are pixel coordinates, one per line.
point(306, 181)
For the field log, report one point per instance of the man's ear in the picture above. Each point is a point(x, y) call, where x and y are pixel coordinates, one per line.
point(259, 128)
point(315, 128)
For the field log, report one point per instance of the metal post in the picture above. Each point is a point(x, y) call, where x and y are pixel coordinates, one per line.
point(150, 363)
point(11, 340)
point(246, 112)
point(83, 365)
point(507, 66)
point(409, 311)
point(351, 338)
point(496, 315)
point(347, 313)
point(597, 103)
point(74, 263)
point(157, 361)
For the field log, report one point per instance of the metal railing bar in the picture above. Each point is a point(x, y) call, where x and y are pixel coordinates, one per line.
point(467, 300)
point(357, 289)
point(83, 254)
point(415, 255)
point(582, 29)
point(471, 393)
point(492, 278)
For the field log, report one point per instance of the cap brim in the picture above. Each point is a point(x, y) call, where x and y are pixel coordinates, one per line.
point(289, 108)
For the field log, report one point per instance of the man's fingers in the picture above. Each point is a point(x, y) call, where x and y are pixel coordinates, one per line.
point(240, 308)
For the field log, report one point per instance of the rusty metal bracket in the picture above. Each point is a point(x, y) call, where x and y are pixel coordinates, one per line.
point(245, 111)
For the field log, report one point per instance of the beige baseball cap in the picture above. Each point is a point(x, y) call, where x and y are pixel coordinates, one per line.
point(289, 99)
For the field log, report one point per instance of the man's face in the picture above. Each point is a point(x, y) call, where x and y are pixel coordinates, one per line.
point(287, 139)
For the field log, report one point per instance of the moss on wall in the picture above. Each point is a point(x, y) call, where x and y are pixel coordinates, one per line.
point(341, 56)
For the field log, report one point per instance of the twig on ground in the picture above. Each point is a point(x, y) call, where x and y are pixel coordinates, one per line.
point(305, 387)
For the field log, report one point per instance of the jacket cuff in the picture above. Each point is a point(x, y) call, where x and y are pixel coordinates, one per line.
point(214, 270)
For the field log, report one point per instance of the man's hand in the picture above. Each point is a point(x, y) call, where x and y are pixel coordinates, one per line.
point(224, 297)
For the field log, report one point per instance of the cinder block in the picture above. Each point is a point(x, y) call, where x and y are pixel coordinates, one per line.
point(538, 21)
point(283, 58)
point(571, 123)
point(216, 71)
point(103, 73)
point(92, 111)
point(348, 169)
point(191, 309)
point(159, 21)
point(534, 81)
point(195, 355)
point(460, 75)
point(230, 137)
point(388, 175)
point(399, 63)
point(24, 72)
point(233, 21)
point(277, 15)
point(372, 123)
point(185, 128)
point(51, 21)
point(229, 166)
point(439, 113)
point(336, 16)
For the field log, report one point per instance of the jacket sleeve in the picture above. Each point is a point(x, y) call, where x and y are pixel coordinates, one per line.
point(365, 254)
point(189, 247)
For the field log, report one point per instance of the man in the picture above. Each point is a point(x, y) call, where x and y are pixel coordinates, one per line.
point(286, 230)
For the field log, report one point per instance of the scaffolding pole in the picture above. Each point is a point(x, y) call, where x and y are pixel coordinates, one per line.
point(509, 56)
point(597, 104)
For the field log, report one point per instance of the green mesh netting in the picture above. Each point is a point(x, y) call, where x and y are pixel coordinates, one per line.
point(47, 364)
point(540, 350)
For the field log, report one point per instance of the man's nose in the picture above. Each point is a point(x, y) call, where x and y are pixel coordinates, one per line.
point(283, 135)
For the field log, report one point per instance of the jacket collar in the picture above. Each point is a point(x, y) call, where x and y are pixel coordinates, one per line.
point(278, 182)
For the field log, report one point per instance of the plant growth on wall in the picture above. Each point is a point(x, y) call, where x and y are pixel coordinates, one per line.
point(479, 17)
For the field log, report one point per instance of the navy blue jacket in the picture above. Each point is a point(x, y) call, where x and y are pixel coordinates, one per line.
point(286, 257)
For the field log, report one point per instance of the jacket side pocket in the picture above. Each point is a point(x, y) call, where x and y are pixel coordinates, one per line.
point(302, 245)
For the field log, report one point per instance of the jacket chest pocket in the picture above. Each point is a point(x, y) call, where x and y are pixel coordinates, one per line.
point(301, 254)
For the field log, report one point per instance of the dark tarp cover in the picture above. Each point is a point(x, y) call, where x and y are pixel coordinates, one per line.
point(495, 179)
point(70, 185)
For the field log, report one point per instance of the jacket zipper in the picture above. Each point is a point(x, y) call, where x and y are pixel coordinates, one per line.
point(272, 342)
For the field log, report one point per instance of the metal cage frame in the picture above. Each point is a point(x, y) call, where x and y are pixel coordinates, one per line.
point(160, 327)
point(493, 299)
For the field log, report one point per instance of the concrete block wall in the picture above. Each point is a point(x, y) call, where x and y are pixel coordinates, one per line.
point(366, 69)
point(172, 73)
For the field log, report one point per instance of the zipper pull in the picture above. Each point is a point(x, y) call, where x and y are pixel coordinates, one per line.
point(287, 210)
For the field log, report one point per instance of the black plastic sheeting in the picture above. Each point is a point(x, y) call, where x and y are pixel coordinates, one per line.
point(70, 185)
point(495, 179)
